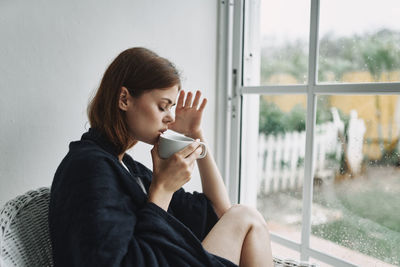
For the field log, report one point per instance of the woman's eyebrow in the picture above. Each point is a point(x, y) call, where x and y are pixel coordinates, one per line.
point(168, 100)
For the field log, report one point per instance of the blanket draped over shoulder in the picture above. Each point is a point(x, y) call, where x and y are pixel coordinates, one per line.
point(99, 215)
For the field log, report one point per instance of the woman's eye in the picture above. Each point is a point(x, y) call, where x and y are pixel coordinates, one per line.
point(161, 108)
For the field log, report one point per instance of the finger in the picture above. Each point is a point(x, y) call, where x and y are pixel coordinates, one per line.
point(196, 99)
point(185, 152)
point(179, 104)
point(188, 101)
point(203, 105)
point(195, 155)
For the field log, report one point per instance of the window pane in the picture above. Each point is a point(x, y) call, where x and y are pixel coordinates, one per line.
point(280, 162)
point(359, 44)
point(356, 199)
point(277, 43)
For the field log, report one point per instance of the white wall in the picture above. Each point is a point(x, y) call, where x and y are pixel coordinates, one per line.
point(53, 55)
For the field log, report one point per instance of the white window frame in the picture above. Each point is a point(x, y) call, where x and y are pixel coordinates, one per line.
point(230, 92)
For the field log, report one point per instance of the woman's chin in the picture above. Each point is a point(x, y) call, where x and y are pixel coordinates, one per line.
point(152, 141)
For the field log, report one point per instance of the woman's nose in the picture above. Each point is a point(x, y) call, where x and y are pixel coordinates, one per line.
point(170, 117)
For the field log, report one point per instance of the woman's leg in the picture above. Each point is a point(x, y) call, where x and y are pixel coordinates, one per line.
point(241, 236)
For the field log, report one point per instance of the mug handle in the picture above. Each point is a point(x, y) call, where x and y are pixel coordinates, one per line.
point(204, 150)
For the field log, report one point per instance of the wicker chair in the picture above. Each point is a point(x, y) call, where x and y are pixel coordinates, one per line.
point(30, 246)
point(25, 239)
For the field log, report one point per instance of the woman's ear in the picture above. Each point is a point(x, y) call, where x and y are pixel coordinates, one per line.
point(123, 99)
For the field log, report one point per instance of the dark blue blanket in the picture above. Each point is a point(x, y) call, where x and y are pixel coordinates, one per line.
point(99, 216)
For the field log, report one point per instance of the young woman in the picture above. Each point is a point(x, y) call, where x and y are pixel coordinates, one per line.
point(106, 209)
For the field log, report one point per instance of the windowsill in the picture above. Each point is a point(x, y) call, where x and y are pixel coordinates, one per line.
point(324, 246)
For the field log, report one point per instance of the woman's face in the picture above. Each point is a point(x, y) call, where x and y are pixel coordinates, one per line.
point(150, 114)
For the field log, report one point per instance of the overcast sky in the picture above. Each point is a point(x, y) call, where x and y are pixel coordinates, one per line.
point(289, 19)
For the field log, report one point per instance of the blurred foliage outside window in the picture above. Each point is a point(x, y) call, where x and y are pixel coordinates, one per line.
point(371, 57)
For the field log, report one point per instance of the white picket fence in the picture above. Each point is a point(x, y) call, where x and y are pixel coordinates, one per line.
point(281, 158)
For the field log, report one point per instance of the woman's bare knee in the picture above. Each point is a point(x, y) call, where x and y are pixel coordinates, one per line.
point(256, 249)
point(247, 215)
point(232, 228)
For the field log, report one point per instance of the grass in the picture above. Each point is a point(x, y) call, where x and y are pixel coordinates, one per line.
point(378, 243)
point(369, 206)
point(371, 216)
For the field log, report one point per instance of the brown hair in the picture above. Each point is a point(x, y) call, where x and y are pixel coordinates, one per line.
point(139, 70)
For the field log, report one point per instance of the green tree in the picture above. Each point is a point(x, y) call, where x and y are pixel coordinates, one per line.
point(271, 118)
point(376, 52)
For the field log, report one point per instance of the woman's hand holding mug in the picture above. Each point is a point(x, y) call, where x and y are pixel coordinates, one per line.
point(172, 173)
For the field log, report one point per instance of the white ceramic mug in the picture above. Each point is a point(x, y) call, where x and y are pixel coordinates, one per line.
point(172, 142)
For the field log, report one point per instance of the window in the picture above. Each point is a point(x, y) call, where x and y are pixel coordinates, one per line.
point(313, 123)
